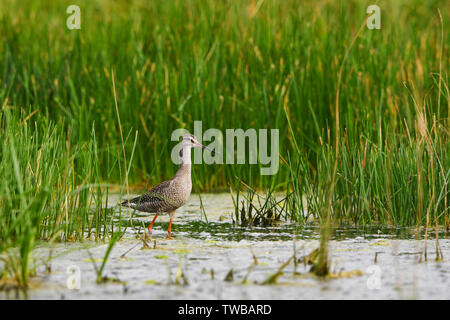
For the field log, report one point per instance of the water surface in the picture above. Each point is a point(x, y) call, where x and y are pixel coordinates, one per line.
point(197, 264)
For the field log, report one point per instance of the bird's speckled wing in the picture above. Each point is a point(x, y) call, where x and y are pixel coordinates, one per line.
point(156, 200)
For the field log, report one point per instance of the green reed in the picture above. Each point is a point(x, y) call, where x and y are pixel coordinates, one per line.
point(50, 190)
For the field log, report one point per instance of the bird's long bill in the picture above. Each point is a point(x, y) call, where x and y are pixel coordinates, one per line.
point(205, 147)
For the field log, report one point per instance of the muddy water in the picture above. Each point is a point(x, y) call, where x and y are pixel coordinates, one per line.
point(197, 264)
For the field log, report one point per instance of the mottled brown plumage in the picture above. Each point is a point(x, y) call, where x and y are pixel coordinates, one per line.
point(164, 197)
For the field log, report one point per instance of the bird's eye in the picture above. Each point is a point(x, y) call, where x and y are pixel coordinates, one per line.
point(192, 140)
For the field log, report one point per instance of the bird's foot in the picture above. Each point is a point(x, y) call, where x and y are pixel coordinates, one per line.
point(169, 237)
point(146, 236)
point(145, 244)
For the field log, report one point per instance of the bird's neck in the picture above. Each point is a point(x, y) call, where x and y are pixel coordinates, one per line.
point(185, 165)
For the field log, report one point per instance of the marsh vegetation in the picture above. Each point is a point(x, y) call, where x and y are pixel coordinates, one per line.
point(364, 115)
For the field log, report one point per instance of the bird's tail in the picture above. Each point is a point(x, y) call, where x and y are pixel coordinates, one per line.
point(129, 203)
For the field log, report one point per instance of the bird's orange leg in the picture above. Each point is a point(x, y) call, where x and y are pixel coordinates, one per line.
point(151, 224)
point(169, 236)
point(148, 232)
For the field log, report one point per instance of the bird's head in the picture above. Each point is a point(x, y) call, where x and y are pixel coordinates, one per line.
point(189, 140)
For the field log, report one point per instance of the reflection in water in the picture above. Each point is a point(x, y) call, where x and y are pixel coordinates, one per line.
point(229, 232)
point(219, 209)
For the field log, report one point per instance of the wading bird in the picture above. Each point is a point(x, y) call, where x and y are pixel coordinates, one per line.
point(169, 195)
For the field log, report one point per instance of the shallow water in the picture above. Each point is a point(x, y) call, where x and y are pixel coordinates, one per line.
point(196, 264)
